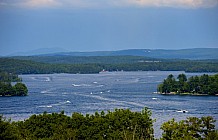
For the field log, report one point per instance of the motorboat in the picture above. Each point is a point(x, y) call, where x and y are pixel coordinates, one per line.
point(182, 111)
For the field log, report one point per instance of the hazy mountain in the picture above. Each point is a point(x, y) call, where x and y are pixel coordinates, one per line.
point(195, 53)
point(39, 52)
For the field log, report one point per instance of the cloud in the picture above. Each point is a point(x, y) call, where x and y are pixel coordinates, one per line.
point(30, 3)
point(140, 3)
point(41, 3)
point(3, 3)
point(175, 3)
point(113, 3)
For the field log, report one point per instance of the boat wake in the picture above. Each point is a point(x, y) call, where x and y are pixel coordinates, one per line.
point(46, 79)
point(53, 105)
point(82, 85)
point(118, 102)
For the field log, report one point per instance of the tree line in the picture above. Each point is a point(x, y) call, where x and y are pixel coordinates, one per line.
point(32, 67)
point(204, 84)
point(9, 77)
point(121, 124)
point(6, 87)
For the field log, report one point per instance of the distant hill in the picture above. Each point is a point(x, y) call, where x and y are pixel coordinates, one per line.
point(193, 54)
point(39, 51)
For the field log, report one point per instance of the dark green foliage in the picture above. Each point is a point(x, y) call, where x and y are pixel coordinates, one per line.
point(168, 85)
point(8, 130)
point(20, 89)
point(30, 67)
point(204, 84)
point(9, 77)
point(95, 65)
point(86, 59)
point(212, 135)
point(120, 124)
point(6, 89)
point(45, 126)
point(190, 129)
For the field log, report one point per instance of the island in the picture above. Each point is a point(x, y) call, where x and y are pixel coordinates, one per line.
point(195, 85)
point(6, 87)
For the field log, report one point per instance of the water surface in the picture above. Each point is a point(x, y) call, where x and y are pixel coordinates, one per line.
point(88, 93)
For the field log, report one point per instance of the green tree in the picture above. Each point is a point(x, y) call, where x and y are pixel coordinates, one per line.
point(122, 124)
point(189, 129)
point(212, 135)
point(182, 78)
point(204, 84)
point(20, 89)
point(7, 130)
point(172, 84)
point(182, 86)
point(6, 89)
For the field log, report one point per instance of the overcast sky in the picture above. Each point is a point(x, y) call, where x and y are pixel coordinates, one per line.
point(98, 25)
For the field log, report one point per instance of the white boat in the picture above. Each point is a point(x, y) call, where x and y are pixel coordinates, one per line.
point(103, 71)
point(182, 111)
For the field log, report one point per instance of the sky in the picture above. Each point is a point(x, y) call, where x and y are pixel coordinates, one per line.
point(107, 25)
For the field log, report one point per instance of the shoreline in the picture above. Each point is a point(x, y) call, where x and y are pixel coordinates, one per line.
point(192, 94)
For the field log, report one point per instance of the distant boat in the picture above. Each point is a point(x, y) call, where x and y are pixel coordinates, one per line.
point(182, 111)
point(103, 71)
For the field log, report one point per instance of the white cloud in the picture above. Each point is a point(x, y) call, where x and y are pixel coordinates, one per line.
point(115, 3)
point(141, 3)
point(175, 3)
point(41, 3)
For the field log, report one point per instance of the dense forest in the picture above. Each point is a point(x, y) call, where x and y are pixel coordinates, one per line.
point(203, 85)
point(9, 77)
point(31, 67)
point(87, 59)
point(6, 88)
point(118, 125)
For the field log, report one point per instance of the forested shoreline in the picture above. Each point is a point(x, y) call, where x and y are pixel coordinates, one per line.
point(121, 124)
point(195, 85)
point(32, 67)
point(6, 87)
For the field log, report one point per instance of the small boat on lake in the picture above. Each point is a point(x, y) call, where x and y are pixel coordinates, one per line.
point(103, 71)
point(182, 111)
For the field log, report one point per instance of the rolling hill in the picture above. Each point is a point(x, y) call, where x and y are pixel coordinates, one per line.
point(193, 54)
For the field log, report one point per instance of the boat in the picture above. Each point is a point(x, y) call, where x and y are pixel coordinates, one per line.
point(182, 111)
point(104, 71)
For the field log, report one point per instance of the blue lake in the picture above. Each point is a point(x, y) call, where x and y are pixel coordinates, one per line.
point(88, 93)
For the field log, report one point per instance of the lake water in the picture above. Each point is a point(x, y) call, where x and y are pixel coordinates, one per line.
point(88, 93)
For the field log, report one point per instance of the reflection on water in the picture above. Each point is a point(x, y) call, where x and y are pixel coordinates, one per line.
point(88, 93)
